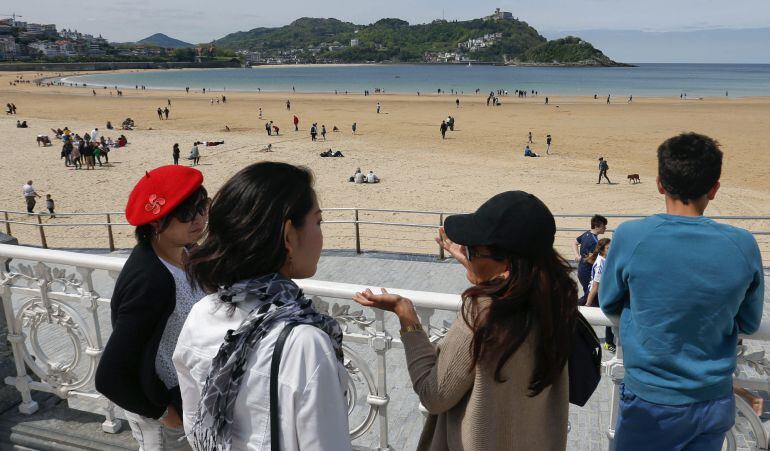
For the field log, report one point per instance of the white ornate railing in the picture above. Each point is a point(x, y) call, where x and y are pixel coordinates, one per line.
point(57, 315)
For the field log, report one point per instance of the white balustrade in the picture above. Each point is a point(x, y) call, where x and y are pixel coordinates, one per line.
point(49, 291)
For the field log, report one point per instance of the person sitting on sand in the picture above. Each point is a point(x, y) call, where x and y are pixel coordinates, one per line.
point(109, 125)
point(358, 177)
point(269, 148)
point(371, 177)
point(335, 129)
point(528, 152)
point(22, 124)
point(122, 141)
point(211, 143)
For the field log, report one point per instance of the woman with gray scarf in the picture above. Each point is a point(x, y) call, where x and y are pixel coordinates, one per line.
point(264, 230)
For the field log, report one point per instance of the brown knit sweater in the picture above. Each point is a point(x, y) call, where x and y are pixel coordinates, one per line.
point(469, 411)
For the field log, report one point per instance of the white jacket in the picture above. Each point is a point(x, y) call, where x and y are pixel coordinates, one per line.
point(311, 391)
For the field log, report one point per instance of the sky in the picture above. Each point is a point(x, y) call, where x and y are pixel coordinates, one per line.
point(204, 20)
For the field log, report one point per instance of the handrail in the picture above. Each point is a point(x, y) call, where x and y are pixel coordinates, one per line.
point(425, 299)
point(356, 221)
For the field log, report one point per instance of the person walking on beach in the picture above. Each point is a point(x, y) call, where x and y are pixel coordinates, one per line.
point(160, 113)
point(288, 105)
point(313, 132)
point(680, 321)
point(630, 98)
point(608, 99)
point(530, 138)
point(457, 102)
point(548, 144)
point(443, 128)
point(175, 153)
point(603, 168)
point(49, 204)
point(584, 245)
point(494, 364)
point(166, 111)
point(264, 232)
point(378, 107)
point(195, 154)
point(150, 303)
point(268, 128)
point(260, 112)
point(168, 101)
point(354, 127)
point(30, 196)
point(296, 123)
point(323, 132)
point(546, 100)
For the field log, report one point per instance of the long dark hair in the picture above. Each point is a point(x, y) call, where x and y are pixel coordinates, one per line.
point(246, 224)
point(600, 247)
point(538, 296)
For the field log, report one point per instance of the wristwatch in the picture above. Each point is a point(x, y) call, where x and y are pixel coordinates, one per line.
point(411, 328)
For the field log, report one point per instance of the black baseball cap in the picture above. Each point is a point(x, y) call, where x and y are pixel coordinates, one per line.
point(514, 221)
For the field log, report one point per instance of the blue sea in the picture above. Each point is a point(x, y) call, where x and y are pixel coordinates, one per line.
point(648, 80)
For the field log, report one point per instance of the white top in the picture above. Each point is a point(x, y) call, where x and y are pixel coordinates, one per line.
point(94, 135)
point(28, 190)
point(371, 178)
point(311, 390)
point(186, 297)
point(358, 177)
point(597, 269)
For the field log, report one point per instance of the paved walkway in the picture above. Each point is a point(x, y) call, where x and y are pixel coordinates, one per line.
point(588, 424)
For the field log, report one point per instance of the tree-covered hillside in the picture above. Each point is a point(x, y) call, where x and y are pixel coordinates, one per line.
point(331, 40)
point(570, 50)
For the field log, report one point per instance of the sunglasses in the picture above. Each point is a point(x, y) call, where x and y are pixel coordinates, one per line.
point(472, 253)
point(188, 212)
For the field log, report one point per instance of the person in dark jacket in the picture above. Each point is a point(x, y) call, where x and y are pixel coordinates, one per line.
point(150, 302)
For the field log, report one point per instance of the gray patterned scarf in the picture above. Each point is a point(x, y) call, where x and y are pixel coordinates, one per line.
point(278, 300)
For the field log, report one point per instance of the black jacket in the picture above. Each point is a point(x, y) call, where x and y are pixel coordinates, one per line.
point(143, 299)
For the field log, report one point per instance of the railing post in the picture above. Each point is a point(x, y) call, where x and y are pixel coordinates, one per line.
point(615, 370)
point(440, 246)
point(7, 224)
point(358, 234)
point(109, 234)
point(42, 231)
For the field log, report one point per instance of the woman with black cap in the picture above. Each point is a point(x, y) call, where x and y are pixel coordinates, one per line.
point(498, 380)
point(150, 303)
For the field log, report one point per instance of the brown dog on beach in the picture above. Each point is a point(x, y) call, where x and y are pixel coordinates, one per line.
point(634, 178)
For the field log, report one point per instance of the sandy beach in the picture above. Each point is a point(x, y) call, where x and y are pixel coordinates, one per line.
point(402, 144)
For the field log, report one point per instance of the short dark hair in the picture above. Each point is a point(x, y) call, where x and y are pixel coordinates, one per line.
point(245, 236)
point(145, 232)
point(689, 165)
point(598, 221)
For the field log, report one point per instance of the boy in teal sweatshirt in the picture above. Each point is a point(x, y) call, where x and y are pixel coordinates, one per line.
point(685, 287)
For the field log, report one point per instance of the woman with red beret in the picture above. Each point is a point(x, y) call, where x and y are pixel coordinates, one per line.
point(151, 300)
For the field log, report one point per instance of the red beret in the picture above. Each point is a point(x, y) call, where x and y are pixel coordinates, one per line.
point(160, 191)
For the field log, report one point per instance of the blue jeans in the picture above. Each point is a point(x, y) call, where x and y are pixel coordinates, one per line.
point(700, 426)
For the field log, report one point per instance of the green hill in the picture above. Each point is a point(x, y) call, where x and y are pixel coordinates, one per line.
point(161, 40)
point(329, 40)
point(567, 51)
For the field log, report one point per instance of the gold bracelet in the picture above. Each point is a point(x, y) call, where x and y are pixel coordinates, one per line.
point(411, 328)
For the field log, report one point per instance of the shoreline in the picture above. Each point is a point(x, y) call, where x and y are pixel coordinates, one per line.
point(67, 80)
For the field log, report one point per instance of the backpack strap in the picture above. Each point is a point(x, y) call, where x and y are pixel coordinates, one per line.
point(275, 426)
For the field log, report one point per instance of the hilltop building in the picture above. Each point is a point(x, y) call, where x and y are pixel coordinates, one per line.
point(500, 15)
